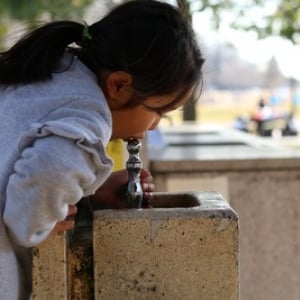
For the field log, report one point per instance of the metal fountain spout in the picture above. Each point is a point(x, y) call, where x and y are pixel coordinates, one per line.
point(134, 166)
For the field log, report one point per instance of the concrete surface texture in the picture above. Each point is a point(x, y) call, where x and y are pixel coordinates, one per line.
point(179, 253)
point(261, 182)
point(50, 269)
point(186, 247)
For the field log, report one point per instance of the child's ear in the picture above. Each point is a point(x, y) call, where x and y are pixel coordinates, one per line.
point(118, 89)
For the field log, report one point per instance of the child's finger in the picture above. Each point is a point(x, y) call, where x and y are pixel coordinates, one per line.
point(64, 225)
point(146, 176)
point(72, 210)
point(148, 196)
point(148, 187)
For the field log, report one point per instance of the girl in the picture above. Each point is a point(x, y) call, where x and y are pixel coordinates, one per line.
point(66, 90)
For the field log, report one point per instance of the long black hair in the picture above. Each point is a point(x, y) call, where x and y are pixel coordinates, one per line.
point(149, 39)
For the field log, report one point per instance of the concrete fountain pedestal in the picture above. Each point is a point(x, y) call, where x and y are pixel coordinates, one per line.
point(185, 247)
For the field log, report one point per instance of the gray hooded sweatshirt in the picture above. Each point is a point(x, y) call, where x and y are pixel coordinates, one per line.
point(52, 153)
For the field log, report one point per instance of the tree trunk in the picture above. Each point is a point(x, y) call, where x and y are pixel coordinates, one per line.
point(189, 109)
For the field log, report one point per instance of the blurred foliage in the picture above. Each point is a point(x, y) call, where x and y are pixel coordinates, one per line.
point(25, 10)
point(282, 19)
point(214, 7)
point(265, 17)
point(30, 12)
point(285, 21)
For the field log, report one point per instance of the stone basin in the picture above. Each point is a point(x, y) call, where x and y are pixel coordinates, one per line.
point(195, 137)
point(209, 138)
point(190, 149)
point(184, 201)
point(173, 200)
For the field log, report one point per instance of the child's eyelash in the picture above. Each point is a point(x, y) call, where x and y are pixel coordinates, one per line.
point(152, 109)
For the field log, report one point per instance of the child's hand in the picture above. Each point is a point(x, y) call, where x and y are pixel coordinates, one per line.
point(68, 223)
point(147, 185)
point(109, 196)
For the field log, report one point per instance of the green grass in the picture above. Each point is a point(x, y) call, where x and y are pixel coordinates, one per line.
point(224, 106)
point(212, 114)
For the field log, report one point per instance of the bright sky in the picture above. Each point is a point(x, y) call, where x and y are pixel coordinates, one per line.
point(255, 51)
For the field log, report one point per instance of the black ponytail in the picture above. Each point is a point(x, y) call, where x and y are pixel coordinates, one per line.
point(150, 40)
point(34, 56)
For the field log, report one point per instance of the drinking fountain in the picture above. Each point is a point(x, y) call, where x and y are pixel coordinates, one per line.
point(185, 246)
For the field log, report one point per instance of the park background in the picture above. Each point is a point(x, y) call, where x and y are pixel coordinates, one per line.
point(251, 48)
point(252, 51)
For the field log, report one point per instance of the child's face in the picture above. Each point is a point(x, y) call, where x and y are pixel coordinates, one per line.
point(135, 121)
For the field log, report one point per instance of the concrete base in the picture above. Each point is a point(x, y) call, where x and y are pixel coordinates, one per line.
point(261, 182)
point(50, 269)
point(168, 253)
point(186, 247)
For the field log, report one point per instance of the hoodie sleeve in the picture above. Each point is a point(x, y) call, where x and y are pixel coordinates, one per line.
point(60, 162)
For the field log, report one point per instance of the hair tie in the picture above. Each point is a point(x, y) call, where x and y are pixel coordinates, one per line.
point(86, 36)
